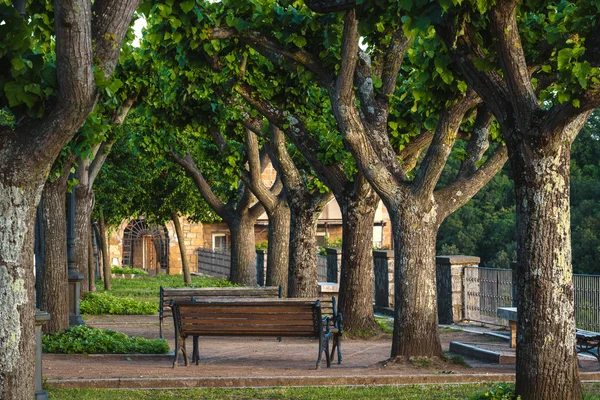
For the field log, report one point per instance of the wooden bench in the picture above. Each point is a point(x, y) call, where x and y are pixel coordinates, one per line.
point(588, 341)
point(256, 317)
point(329, 309)
point(180, 294)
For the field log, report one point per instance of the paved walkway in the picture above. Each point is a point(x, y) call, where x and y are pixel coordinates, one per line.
point(243, 362)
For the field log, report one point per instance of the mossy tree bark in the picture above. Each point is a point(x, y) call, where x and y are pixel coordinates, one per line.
point(27, 153)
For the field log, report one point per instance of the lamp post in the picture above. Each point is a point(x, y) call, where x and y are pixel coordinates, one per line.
point(75, 277)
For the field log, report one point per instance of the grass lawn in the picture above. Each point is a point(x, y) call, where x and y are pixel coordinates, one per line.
point(146, 288)
point(416, 392)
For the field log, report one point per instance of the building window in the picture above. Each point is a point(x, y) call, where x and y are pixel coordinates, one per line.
point(378, 236)
point(219, 241)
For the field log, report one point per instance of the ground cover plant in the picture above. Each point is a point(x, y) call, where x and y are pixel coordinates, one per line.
point(420, 392)
point(87, 340)
point(128, 270)
point(146, 288)
point(106, 303)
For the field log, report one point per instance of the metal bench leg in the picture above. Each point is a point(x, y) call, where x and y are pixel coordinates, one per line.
point(327, 351)
point(176, 351)
point(195, 352)
point(337, 344)
point(185, 356)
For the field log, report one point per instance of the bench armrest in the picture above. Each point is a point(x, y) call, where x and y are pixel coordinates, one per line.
point(337, 321)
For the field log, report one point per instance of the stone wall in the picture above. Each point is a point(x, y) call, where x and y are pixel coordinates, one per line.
point(452, 288)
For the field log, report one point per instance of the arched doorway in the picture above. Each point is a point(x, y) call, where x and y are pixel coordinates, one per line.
point(145, 246)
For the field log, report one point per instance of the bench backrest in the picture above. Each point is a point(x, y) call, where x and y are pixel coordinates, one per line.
point(186, 294)
point(260, 317)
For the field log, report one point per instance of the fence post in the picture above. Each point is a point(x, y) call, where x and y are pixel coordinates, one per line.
point(261, 267)
point(451, 286)
point(334, 264)
point(383, 268)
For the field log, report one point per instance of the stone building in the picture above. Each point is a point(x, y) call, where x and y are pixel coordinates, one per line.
point(156, 248)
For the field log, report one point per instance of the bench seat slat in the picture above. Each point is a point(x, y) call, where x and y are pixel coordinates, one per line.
point(245, 321)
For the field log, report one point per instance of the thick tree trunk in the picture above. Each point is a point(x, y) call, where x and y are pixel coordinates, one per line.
point(356, 278)
point(84, 200)
point(279, 246)
point(18, 203)
point(105, 255)
point(54, 294)
point(243, 251)
point(416, 330)
point(546, 356)
point(91, 265)
point(187, 278)
point(302, 281)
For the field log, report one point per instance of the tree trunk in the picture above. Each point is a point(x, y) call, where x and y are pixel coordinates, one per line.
point(302, 281)
point(18, 203)
point(84, 199)
point(546, 357)
point(91, 265)
point(54, 294)
point(243, 251)
point(279, 246)
point(105, 255)
point(356, 277)
point(187, 278)
point(416, 330)
point(96, 251)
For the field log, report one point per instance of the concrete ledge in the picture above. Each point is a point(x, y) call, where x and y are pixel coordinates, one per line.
point(461, 260)
point(480, 354)
point(272, 381)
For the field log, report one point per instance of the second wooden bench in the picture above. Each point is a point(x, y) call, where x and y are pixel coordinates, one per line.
point(260, 317)
point(183, 294)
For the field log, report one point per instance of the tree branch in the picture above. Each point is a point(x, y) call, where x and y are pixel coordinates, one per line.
point(392, 61)
point(253, 178)
point(110, 21)
point(454, 196)
point(204, 188)
point(478, 143)
point(332, 175)
point(464, 51)
point(443, 141)
point(505, 32)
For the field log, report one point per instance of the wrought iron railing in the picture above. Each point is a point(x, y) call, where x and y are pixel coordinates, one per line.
point(486, 289)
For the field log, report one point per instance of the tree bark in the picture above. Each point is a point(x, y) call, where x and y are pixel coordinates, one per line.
point(243, 251)
point(187, 278)
point(416, 331)
point(356, 277)
point(84, 200)
point(546, 357)
point(91, 266)
point(54, 278)
point(105, 255)
point(18, 203)
point(279, 246)
point(303, 247)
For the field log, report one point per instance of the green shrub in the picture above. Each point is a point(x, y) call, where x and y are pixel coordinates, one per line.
point(105, 303)
point(501, 391)
point(127, 270)
point(264, 245)
point(87, 340)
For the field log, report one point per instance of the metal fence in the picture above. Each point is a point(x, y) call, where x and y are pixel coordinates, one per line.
point(486, 289)
point(587, 302)
point(214, 262)
point(321, 268)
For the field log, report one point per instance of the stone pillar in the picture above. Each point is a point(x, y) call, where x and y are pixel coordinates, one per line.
point(383, 266)
point(328, 289)
point(334, 264)
point(452, 288)
point(40, 319)
point(74, 276)
point(261, 267)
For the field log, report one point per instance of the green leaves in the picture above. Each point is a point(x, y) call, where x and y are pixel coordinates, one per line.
point(187, 6)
